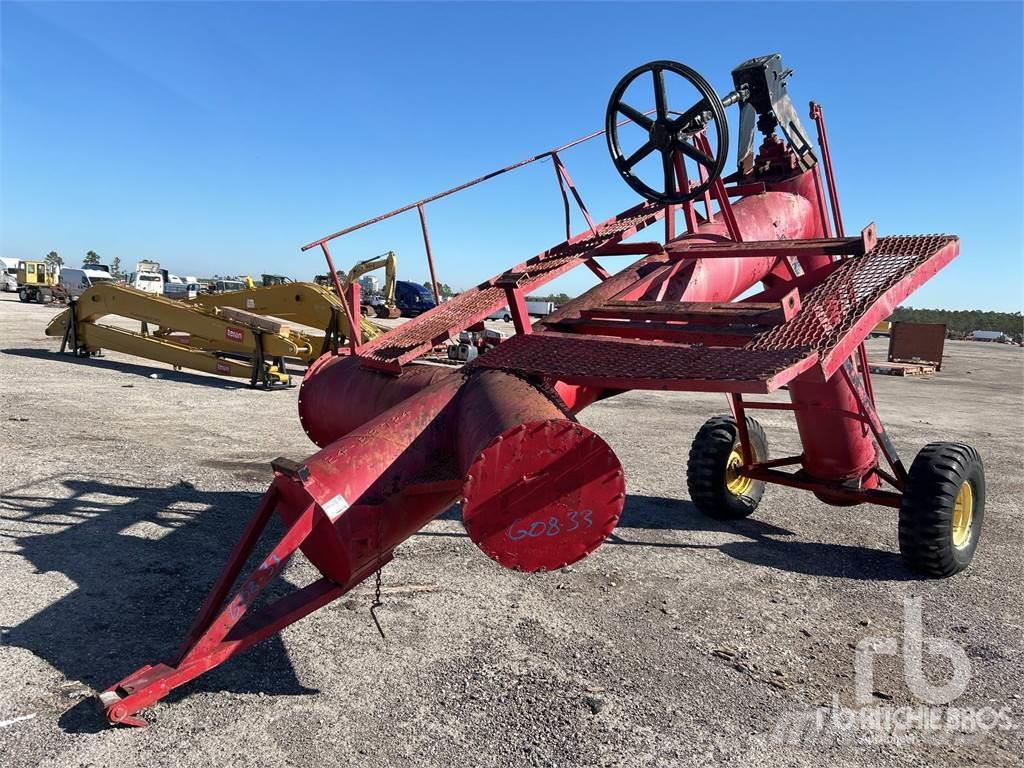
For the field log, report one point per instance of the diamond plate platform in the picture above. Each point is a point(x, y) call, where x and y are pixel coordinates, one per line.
point(638, 364)
point(412, 339)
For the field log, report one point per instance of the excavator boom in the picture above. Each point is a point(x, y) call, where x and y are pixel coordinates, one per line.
point(390, 263)
point(304, 303)
point(228, 341)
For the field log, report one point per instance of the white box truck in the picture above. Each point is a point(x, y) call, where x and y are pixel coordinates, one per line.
point(146, 277)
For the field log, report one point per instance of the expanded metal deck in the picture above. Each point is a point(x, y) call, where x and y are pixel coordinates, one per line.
point(835, 317)
point(637, 364)
point(838, 314)
point(422, 333)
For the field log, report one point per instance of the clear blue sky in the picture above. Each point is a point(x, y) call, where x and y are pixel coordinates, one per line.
point(218, 138)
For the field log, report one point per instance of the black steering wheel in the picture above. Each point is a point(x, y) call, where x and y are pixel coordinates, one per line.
point(676, 135)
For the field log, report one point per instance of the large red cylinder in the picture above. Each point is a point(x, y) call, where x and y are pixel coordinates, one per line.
point(836, 446)
point(338, 394)
point(383, 476)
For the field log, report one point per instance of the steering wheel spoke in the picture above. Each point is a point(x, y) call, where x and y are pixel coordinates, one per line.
point(640, 154)
point(696, 154)
point(636, 116)
point(660, 102)
point(669, 169)
point(670, 136)
point(687, 117)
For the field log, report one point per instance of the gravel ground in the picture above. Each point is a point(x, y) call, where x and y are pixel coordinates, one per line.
point(682, 641)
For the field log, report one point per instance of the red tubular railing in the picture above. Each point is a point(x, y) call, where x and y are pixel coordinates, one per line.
point(564, 183)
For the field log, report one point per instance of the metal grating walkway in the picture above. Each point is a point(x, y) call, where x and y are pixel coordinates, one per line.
point(421, 334)
point(838, 314)
point(835, 317)
point(636, 364)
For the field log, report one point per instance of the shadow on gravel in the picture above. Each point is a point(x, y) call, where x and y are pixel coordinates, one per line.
point(767, 544)
point(142, 560)
point(166, 374)
point(763, 548)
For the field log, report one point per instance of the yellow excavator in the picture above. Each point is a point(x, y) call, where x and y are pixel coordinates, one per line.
point(389, 261)
point(385, 308)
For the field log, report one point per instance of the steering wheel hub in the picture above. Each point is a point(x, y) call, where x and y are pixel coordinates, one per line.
point(662, 136)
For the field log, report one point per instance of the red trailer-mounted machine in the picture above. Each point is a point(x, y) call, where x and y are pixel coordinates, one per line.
point(401, 441)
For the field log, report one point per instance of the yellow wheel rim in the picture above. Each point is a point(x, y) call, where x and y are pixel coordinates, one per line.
point(737, 484)
point(963, 515)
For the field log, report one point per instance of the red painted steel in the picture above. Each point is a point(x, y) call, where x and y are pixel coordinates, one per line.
point(412, 339)
point(531, 526)
point(348, 506)
point(401, 441)
point(818, 116)
point(333, 386)
point(429, 252)
point(616, 363)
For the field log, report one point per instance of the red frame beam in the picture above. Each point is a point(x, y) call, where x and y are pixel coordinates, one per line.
point(851, 246)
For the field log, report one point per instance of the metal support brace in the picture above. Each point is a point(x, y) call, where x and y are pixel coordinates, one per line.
point(332, 334)
point(259, 367)
point(740, 414)
point(718, 190)
point(565, 181)
point(219, 631)
point(356, 311)
point(517, 308)
point(71, 329)
point(867, 409)
point(429, 252)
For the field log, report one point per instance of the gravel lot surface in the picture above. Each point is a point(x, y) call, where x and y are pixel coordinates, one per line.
point(681, 641)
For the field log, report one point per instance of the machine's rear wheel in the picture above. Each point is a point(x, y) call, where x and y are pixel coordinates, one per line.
point(711, 477)
point(942, 510)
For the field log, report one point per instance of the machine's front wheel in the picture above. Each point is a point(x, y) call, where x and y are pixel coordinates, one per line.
point(715, 486)
point(942, 510)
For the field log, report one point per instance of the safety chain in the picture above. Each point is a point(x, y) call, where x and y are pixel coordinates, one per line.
point(377, 602)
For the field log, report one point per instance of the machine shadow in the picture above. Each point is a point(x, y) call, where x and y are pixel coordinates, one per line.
point(767, 544)
point(166, 374)
point(142, 560)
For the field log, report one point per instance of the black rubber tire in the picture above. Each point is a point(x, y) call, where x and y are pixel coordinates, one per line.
point(926, 513)
point(706, 468)
point(23, 295)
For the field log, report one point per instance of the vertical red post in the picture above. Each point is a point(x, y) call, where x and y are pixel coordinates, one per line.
point(355, 330)
point(683, 182)
point(353, 326)
point(517, 308)
point(430, 255)
point(740, 414)
point(826, 159)
point(819, 194)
